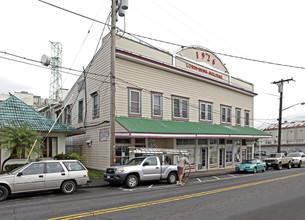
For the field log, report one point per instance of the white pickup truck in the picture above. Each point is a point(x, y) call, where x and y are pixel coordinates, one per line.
point(141, 169)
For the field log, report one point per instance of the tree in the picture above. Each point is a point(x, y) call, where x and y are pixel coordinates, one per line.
point(18, 140)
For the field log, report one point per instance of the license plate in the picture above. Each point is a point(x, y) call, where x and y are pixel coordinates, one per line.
point(269, 163)
point(108, 176)
point(241, 169)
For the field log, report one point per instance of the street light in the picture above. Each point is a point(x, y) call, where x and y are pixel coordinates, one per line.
point(280, 124)
point(301, 103)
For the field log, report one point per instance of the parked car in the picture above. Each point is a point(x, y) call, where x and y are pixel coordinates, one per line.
point(298, 158)
point(65, 175)
point(251, 165)
point(278, 160)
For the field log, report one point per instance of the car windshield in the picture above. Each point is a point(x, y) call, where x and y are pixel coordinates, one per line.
point(136, 161)
point(275, 155)
point(248, 161)
point(294, 155)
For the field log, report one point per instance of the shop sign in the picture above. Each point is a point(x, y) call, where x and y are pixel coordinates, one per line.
point(203, 70)
point(104, 134)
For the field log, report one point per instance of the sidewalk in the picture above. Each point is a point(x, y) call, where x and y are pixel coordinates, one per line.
point(197, 174)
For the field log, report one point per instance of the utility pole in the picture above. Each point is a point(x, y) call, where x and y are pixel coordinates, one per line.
point(121, 6)
point(280, 86)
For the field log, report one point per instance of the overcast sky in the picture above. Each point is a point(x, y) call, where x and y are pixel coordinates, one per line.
point(270, 31)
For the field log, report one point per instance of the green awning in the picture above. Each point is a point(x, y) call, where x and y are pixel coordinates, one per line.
point(143, 127)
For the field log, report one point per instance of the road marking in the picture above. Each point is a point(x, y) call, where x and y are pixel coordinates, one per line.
point(173, 199)
point(232, 175)
point(151, 186)
point(216, 177)
point(198, 179)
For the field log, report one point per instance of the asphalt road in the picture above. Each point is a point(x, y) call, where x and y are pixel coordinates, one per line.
point(270, 195)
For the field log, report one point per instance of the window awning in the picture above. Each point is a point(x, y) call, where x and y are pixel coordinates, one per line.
point(155, 128)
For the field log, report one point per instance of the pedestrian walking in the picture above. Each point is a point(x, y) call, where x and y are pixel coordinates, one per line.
point(181, 165)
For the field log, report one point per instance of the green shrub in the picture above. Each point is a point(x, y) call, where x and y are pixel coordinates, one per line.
point(10, 167)
point(73, 156)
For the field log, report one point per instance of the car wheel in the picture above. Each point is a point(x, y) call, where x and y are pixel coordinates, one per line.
point(172, 178)
point(254, 170)
point(300, 164)
point(3, 193)
point(264, 169)
point(279, 167)
point(289, 165)
point(68, 187)
point(131, 181)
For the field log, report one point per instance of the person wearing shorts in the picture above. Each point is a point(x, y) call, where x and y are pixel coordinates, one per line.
point(181, 165)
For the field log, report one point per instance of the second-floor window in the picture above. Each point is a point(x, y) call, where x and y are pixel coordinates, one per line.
point(226, 114)
point(80, 110)
point(206, 111)
point(58, 116)
point(68, 115)
point(180, 107)
point(156, 105)
point(238, 116)
point(247, 118)
point(134, 106)
point(95, 105)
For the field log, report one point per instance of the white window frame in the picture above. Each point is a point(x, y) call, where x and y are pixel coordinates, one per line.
point(247, 118)
point(206, 114)
point(131, 102)
point(226, 114)
point(181, 109)
point(238, 117)
point(154, 105)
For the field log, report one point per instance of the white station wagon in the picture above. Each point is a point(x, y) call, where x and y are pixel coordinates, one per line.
point(65, 175)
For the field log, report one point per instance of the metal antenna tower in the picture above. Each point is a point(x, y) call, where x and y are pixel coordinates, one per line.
point(55, 80)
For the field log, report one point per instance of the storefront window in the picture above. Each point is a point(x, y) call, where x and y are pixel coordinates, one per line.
point(213, 153)
point(229, 149)
point(122, 140)
point(250, 145)
point(121, 155)
point(187, 144)
point(237, 155)
point(202, 153)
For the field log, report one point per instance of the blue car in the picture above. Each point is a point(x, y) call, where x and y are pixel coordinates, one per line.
point(251, 165)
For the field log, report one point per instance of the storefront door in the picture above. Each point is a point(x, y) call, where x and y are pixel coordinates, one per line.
point(221, 157)
point(243, 153)
point(203, 158)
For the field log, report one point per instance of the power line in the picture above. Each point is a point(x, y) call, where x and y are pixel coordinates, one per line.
point(36, 61)
point(176, 44)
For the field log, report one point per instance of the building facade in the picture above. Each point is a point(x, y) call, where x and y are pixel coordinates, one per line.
point(182, 100)
point(292, 137)
point(14, 111)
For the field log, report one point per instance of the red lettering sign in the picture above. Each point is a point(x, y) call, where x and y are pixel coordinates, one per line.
point(202, 70)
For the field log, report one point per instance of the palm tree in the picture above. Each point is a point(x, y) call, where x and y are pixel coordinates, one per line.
point(18, 140)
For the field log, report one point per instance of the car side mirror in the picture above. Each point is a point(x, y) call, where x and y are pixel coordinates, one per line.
point(145, 164)
point(20, 174)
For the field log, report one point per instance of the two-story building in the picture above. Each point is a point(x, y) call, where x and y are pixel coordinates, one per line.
point(292, 137)
point(181, 100)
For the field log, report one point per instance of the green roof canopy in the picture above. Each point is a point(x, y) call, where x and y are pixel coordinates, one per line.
point(166, 128)
point(15, 111)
